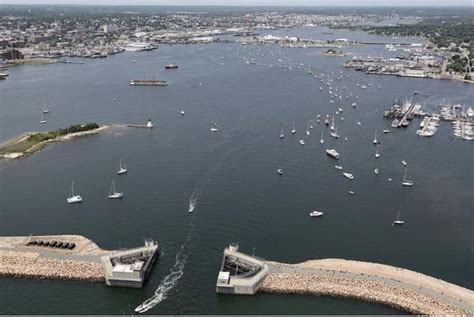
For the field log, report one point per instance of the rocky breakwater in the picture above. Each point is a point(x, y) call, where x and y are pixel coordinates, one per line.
point(399, 288)
point(32, 265)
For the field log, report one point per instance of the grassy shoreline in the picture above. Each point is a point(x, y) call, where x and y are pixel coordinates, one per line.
point(29, 143)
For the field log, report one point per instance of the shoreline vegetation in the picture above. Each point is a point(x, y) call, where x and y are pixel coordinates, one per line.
point(29, 143)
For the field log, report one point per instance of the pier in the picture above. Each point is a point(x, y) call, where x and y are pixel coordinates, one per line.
point(76, 258)
point(399, 288)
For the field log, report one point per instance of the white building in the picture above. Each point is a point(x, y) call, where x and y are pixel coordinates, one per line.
point(110, 28)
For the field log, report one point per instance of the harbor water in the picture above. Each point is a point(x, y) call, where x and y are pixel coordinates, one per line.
point(229, 177)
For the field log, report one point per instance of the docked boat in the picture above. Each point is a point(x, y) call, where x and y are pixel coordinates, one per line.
point(333, 153)
point(113, 194)
point(45, 110)
point(73, 198)
point(406, 181)
point(398, 221)
point(315, 213)
point(171, 66)
point(348, 175)
point(404, 163)
point(213, 129)
point(122, 169)
point(376, 171)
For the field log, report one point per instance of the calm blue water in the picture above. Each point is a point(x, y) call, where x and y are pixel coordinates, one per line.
point(232, 174)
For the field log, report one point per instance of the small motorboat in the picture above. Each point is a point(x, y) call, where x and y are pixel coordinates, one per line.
point(182, 112)
point(279, 171)
point(404, 163)
point(351, 192)
point(171, 66)
point(348, 175)
point(315, 213)
point(302, 142)
point(214, 129)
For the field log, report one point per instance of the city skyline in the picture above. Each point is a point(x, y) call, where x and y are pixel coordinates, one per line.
point(246, 2)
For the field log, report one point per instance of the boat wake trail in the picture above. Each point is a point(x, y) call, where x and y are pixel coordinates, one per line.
point(169, 282)
point(194, 199)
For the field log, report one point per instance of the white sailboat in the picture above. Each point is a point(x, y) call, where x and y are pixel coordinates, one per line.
point(293, 130)
point(113, 194)
point(73, 198)
point(43, 120)
point(406, 181)
point(322, 140)
point(45, 110)
point(375, 138)
point(333, 126)
point(122, 169)
point(398, 221)
point(377, 154)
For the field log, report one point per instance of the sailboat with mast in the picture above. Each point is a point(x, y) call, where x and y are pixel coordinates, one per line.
point(375, 138)
point(398, 221)
point(377, 154)
point(293, 129)
point(406, 181)
point(43, 120)
point(122, 169)
point(73, 198)
point(113, 194)
point(322, 139)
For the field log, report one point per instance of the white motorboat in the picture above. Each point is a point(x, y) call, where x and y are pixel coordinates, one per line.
point(213, 129)
point(348, 175)
point(113, 194)
point(302, 142)
point(333, 153)
point(404, 163)
point(398, 221)
point(339, 167)
point(315, 213)
point(122, 169)
point(182, 112)
point(386, 131)
point(73, 198)
point(376, 171)
point(279, 171)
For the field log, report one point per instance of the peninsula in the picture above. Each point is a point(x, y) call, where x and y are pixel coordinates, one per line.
point(30, 143)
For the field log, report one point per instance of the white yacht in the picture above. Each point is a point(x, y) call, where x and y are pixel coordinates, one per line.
point(398, 221)
point(45, 110)
point(333, 153)
point(122, 169)
point(348, 175)
point(315, 213)
point(73, 198)
point(406, 181)
point(43, 120)
point(113, 194)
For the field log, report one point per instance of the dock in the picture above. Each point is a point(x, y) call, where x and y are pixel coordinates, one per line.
point(396, 287)
point(75, 258)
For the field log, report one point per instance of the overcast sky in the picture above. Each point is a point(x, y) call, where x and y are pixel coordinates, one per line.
point(251, 2)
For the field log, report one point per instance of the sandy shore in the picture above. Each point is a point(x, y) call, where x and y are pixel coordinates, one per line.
point(39, 146)
point(396, 287)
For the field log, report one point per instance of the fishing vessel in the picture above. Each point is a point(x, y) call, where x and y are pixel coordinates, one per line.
point(73, 198)
point(398, 221)
point(315, 213)
point(339, 167)
point(406, 181)
point(122, 169)
point(333, 153)
point(113, 194)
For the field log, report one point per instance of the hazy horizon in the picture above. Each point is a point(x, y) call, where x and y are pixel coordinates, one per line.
point(361, 3)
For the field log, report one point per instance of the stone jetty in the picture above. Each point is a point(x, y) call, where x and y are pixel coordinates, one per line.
point(396, 287)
